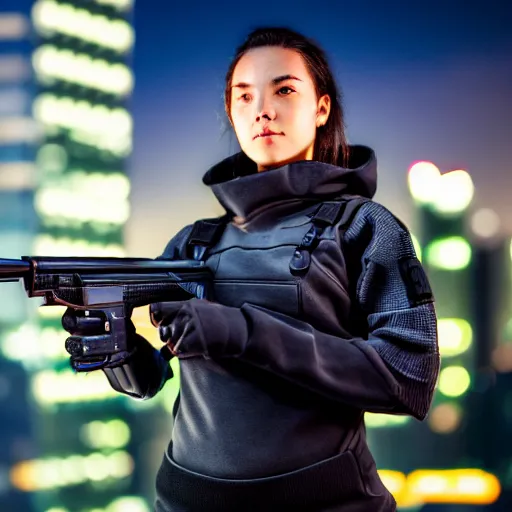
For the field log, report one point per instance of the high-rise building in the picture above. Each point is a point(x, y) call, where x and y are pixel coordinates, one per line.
point(71, 444)
point(490, 424)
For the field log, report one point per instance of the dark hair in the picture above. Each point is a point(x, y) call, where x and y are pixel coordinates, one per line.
point(330, 138)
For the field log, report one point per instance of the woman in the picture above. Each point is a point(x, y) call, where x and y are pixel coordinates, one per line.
point(320, 310)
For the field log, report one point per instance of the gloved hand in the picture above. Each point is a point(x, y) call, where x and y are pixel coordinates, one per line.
point(90, 339)
point(140, 373)
point(200, 328)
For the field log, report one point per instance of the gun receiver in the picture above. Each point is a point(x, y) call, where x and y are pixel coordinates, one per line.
point(113, 286)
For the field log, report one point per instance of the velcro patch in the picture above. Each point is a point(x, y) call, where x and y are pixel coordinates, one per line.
point(416, 281)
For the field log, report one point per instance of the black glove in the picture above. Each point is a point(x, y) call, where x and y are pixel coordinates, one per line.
point(200, 328)
point(140, 372)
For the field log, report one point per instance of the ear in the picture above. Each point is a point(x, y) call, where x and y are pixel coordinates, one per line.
point(323, 110)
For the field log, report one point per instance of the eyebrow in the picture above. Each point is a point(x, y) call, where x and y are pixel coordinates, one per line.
point(275, 81)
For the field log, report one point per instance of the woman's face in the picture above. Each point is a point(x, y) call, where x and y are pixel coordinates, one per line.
point(274, 108)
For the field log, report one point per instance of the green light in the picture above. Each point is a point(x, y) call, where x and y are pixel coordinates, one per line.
point(52, 158)
point(454, 381)
point(507, 332)
point(172, 387)
point(417, 246)
point(450, 253)
point(128, 503)
point(111, 434)
point(455, 336)
point(373, 420)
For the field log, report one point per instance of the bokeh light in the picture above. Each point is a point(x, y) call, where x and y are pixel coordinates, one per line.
point(485, 223)
point(52, 17)
point(51, 62)
point(454, 381)
point(448, 253)
point(455, 336)
point(423, 180)
point(455, 192)
point(445, 418)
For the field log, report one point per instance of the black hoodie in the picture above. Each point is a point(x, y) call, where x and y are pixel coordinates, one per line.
point(304, 356)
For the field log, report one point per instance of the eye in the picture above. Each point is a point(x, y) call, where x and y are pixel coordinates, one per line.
point(285, 91)
point(245, 97)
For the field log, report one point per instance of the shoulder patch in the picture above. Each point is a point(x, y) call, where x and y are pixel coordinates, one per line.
point(416, 282)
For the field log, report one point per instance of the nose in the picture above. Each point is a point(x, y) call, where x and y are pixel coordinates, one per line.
point(265, 110)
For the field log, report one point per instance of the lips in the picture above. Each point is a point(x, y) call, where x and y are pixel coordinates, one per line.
point(266, 133)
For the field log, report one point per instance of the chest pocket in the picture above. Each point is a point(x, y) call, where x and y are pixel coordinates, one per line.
point(265, 267)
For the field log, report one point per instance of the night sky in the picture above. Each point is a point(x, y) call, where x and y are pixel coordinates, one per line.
point(420, 80)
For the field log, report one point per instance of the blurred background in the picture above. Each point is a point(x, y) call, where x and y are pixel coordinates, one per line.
point(110, 113)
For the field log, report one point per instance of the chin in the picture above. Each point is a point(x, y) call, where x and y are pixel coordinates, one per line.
point(269, 161)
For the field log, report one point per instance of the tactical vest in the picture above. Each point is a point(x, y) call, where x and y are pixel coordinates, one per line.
point(266, 267)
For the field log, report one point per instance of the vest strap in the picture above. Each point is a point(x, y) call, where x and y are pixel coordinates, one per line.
point(329, 213)
point(204, 235)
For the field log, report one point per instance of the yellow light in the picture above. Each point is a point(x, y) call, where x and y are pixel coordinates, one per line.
point(51, 312)
point(46, 245)
point(373, 420)
point(469, 486)
point(455, 336)
point(51, 387)
point(455, 192)
point(120, 464)
point(423, 180)
point(50, 62)
point(53, 473)
point(445, 418)
point(96, 468)
point(51, 17)
point(450, 253)
point(93, 125)
point(454, 381)
point(395, 482)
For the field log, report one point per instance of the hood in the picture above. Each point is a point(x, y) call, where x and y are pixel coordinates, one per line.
point(240, 189)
